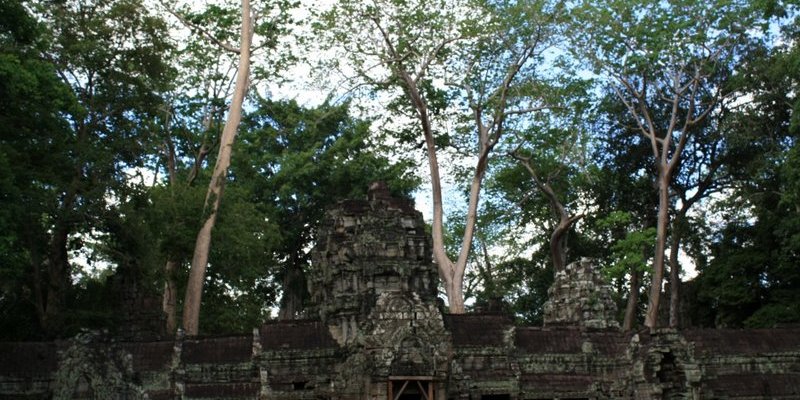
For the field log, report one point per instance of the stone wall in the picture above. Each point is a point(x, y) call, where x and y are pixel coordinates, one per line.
point(489, 357)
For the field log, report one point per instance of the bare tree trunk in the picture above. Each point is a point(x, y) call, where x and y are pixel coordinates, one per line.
point(460, 266)
point(651, 318)
point(452, 273)
point(169, 297)
point(169, 303)
point(194, 288)
point(666, 157)
point(558, 240)
point(292, 299)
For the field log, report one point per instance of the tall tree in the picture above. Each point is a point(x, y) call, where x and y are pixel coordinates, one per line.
point(655, 53)
point(270, 29)
point(699, 175)
point(194, 288)
point(29, 86)
point(109, 55)
point(485, 51)
point(192, 124)
point(622, 192)
point(553, 152)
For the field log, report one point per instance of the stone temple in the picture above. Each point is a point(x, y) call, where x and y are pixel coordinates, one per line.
point(381, 333)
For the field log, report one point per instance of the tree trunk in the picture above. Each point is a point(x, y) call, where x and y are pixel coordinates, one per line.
point(558, 248)
point(651, 319)
point(558, 239)
point(194, 288)
point(446, 266)
point(451, 273)
point(456, 296)
point(170, 297)
point(674, 281)
point(633, 301)
point(294, 291)
point(674, 265)
point(58, 279)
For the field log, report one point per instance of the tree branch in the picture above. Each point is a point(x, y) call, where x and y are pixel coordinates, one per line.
point(529, 110)
point(207, 34)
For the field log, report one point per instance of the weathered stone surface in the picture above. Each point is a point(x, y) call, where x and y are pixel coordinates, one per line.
point(382, 329)
point(93, 367)
point(366, 248)
point(579, 296)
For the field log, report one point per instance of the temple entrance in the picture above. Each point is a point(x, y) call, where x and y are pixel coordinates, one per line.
point(410, 388)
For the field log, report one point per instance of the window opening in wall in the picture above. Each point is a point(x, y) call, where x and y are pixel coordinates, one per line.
point(411, 388)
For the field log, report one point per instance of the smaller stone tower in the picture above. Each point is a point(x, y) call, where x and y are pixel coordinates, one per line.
point(580, 297)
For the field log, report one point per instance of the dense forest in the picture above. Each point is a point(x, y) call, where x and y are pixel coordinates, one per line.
point(164, 148)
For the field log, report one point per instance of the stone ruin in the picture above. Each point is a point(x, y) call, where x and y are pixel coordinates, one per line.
point(383, 334)
point(580, 297)
point(370, 251)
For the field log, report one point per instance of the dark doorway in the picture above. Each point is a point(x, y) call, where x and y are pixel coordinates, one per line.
point(411, 388)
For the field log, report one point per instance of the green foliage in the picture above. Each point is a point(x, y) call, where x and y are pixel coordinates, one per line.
point(298, 162)
point(772, 315)
point(76, 87)
point(523, 287)
point(33, 102)
point(751, 278)
point(630, 253)
point(651, 37)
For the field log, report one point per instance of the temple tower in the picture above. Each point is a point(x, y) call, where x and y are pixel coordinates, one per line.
point(375, 287)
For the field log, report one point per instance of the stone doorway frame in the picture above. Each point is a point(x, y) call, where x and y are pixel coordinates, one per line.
point(424, 383)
